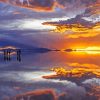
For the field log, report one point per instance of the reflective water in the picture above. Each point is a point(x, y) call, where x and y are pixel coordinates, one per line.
point(20, 77)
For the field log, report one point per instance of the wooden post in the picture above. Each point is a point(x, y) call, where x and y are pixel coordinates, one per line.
point(18, 55)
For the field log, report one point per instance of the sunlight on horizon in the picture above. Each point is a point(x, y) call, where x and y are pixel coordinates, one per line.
point(89, 50)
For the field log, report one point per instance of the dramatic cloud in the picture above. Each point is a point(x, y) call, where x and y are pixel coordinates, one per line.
point(76, 27)
point(50, 5)
point(37, 95)
point(51, 94)
point(37, 5)
point(76, 75)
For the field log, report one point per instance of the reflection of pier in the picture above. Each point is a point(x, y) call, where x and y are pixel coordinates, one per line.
point(8, 52)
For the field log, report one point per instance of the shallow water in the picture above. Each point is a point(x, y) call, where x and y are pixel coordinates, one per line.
point(20, 77)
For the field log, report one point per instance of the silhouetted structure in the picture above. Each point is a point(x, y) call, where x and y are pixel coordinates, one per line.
point(18, 55)
point(7, 54)
point(9, 51)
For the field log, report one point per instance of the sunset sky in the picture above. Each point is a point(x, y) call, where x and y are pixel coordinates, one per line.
point(59, 25)
point(50, 23)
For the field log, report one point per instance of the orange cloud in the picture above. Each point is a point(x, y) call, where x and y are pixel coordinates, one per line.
point(75, 72)
point(36, 5)
point(37, 95)
point(85, 32)
point(77, 30)
point(89, 66)
point(50, 5)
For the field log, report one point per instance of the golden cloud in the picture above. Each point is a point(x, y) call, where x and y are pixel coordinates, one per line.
point(75, 72)
point(77, 30)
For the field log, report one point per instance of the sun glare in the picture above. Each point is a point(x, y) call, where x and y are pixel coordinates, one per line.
point(89, 50)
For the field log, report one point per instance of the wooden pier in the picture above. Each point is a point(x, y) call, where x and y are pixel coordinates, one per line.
point(7, 53)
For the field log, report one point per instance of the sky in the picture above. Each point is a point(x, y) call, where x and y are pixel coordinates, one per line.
point(47, 23)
